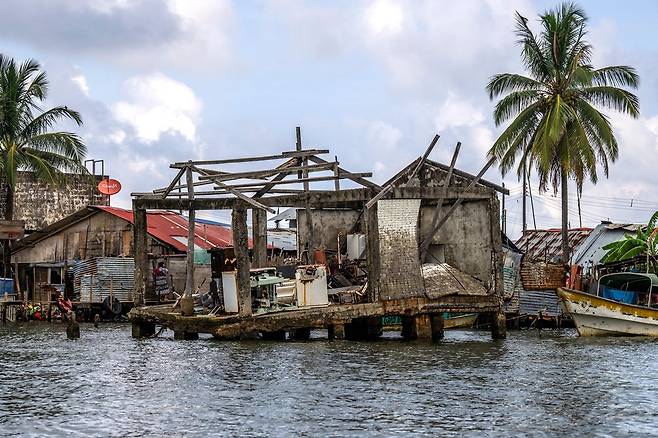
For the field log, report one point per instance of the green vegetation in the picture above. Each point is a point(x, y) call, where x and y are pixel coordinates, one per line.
point(27, 141)
point(632, 246)
point(556, 125)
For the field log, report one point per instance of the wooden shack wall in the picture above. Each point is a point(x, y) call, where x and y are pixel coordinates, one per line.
point(100, 235)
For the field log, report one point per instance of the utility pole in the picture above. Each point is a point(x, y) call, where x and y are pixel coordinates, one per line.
point(580, 218)
point(504, 214)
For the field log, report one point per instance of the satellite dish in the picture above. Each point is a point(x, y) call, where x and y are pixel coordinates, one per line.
point(109, 186)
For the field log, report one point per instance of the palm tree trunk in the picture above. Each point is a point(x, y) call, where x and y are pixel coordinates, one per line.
point(565, 217)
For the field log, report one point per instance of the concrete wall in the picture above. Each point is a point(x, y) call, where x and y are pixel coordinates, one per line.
point(326, 226)
point(466, 237)
point(100, 235)
point(40, 204)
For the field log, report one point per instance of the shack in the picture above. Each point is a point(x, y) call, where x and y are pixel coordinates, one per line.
point(431, 237)
point(540, 273)
point(90, 253)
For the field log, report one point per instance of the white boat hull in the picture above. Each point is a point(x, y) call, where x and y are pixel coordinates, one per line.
point(596, 316)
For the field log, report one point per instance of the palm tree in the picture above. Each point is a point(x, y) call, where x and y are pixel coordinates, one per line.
point(557, 126)
point(26, 140)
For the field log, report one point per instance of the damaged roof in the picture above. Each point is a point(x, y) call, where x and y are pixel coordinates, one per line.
point(432, 172)
point(546, 245)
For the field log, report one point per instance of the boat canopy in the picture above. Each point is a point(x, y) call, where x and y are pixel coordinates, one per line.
point(629, 280)
point(628, 287)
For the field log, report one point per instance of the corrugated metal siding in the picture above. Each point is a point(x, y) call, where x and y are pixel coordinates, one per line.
point(511, 281)
point(94, 279)
point(545, 245)
point(532, 302)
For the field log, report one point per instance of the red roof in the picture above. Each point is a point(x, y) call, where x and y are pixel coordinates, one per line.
point(171, 228)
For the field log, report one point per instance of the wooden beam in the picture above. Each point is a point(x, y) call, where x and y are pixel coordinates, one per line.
point(346, 198)
point(237, 193)
point(349, 175)
point(178, 187)
point(225, 192)
point(267, 187)
point(303, 180)
point(267, 173)
point(173, 183)
point(282, 155)
point(437, 211)
point(390, 185)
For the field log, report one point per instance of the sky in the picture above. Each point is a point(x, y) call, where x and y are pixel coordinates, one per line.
point(373, 81)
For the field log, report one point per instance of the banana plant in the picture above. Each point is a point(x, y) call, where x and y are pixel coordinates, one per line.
point(631, 246)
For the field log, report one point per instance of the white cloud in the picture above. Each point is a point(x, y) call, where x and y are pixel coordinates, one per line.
point(381, 135)
point(384, 18)
point(156, 104)
point(456, 112)
point(81, 81)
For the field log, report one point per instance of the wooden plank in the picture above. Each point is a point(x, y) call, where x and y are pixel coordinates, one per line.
point(270, 172)
point(303, 176)
point(182, 186)
point(390, 185)
point(282, 155)
point(297, 181)
point(437, 211)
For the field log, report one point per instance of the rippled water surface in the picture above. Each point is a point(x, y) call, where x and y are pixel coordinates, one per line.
point(107, 384)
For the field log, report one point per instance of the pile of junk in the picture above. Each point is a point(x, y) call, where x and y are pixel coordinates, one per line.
point(332, 279)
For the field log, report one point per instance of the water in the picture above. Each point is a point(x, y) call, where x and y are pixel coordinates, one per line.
point(107, 384)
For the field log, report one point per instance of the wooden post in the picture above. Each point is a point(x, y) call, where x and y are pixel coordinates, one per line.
point(310, 245)
point(241, 250)
point(259, 225)
point(189, 281)
point(140, 238)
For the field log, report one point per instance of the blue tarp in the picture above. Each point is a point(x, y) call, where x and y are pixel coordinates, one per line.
point(623, 296)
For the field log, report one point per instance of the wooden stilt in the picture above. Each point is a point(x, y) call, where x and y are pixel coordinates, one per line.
point(140, 237)
point(259, 224)
point(241, 250)
point(498, 326)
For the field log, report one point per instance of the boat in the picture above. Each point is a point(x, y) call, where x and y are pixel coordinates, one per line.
point(460, 321)
point(625, 304)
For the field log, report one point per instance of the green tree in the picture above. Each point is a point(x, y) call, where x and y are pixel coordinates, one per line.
point(27, 139)
point(557, 126)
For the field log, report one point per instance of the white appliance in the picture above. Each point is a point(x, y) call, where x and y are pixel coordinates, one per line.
point(356, 246)
point(230, 291)
point(311, 285)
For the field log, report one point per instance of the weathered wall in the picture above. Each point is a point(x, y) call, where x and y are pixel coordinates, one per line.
point(178, 270)
point(100, 235)
point(326, 226)
point(466, 237)
point(400, 274)
point(40, 204)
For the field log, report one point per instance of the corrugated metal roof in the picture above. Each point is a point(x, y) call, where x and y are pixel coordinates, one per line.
point(546, 245)
point(591, 249)
point(166, 226)
point(289, 214)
